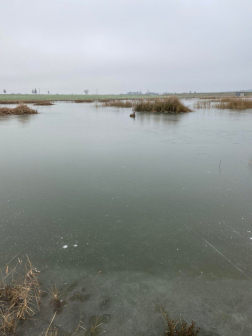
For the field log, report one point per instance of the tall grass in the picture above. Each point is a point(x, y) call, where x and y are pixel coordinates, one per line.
point(234, 103)
point(202, 104)
point(119, 103)
point(166, 105)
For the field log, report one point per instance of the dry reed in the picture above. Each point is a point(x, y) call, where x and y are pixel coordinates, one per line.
point(161, 105)
point(179, 328)
point(234, 103)
point(84, 101)
point(7, 102)
point(20, 109)
point(119, 103)
point(44, 103)
point(205, 104)
point(19, 296)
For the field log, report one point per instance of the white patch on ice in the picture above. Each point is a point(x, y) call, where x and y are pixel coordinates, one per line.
point(65, 246)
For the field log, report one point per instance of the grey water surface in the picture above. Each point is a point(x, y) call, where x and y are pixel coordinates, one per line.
point(137, 214)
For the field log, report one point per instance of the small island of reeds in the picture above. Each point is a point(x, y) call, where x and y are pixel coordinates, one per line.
point(20, 109)
point(43, 103)
point(170, 105)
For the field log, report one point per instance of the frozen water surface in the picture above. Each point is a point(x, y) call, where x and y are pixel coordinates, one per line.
point(161, 208)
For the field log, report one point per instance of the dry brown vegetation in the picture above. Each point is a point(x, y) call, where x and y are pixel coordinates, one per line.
point(7, 102)
point(19, 295)
point(179, 328)
point(20, 109)
point(35, 102)
point(104, 100)
point(84, 101)
point(161, 105)
point(234, 103)
point(119, 103)
point(203, 104)
point(44, 103)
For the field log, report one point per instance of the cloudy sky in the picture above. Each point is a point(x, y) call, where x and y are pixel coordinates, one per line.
point(115, 46)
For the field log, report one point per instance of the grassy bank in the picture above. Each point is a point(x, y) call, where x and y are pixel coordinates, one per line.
point(65, 97)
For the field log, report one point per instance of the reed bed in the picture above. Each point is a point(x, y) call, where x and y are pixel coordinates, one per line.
point(7, 102)
point(43, 103)
point(119, 103)
point(234, 103)
point(20, 109)
point(19, 295)
point(104, 100)
point(203, 104)
point(161, 105)
point(84, 101)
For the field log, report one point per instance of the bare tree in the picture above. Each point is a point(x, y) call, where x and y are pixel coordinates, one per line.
point(86, 91)
point(48, 92)
point(4, 91)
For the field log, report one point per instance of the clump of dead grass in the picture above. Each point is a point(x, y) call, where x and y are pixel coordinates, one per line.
point(19, 295)
point(20, 109)
point(161, 105)
point(179, 328)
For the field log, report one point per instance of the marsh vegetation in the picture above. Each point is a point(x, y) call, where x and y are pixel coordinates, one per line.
point(19, 295)
point(84, 101)
point(21, 300)
point(166, 105)
point(43, 103)
point(232, 103)
point(118, 103)
point(20, 109)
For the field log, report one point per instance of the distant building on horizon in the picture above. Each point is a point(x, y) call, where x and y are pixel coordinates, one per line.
point(240, 94)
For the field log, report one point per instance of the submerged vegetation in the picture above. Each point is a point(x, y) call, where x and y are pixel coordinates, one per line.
point(166, 105)
point(20, 109)
point(21, 298)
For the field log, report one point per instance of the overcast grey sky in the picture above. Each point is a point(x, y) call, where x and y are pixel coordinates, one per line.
point(115, 46)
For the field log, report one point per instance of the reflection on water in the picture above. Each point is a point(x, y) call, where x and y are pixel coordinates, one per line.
point(137, 212)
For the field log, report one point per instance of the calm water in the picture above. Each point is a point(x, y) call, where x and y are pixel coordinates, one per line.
point(159, 205)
